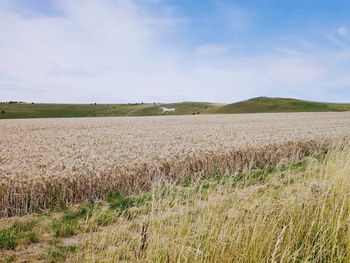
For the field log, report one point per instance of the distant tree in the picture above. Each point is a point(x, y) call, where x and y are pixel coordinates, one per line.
point(3, 111)
point(198, 112)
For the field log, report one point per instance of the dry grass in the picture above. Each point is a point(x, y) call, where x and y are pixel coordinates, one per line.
point(47, 163)
point(291, 216)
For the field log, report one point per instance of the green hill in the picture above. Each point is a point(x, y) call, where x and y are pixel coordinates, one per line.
point(25, 110)
point(266, 104)
point(255, 105)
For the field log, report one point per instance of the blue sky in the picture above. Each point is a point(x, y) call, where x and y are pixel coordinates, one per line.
point(173, 50)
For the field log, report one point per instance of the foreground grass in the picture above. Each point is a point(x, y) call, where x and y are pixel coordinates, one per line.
point(294, 213)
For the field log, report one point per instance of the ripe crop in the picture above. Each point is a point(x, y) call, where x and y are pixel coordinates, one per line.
point(50, 162)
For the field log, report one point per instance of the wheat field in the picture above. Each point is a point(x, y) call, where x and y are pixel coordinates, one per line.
point(297, 212)
point(50, 162)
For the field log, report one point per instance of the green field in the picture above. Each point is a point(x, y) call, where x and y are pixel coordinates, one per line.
point(255, 105)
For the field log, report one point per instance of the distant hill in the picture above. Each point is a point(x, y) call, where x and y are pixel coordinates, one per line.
point(266, 104)
point(26, 110)
point(255, 105)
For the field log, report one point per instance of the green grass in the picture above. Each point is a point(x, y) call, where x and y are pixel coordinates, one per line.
point(265, 104)
point(18, 232)
point(58, 254)
point(255, 105)
point(68, 224)
point(122, 202)
point(64, 228)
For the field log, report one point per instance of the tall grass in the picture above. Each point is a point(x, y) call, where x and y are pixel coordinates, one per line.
point(290, 215)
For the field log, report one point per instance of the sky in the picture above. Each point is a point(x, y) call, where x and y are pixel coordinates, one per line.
point(116, 51)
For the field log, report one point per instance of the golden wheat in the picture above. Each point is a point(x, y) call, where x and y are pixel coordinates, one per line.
point(44, 163)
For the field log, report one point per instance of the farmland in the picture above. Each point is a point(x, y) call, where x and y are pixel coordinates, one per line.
point(45, 163)
point(72, 187)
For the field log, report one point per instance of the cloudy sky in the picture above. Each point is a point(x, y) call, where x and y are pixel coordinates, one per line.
point(174, 50)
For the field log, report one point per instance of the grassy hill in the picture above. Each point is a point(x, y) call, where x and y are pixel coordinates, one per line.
point(266, 104)
point(255, 105)
point(24, 110)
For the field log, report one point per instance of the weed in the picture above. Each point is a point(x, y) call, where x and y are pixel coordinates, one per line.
point(64, 228)
point(19, 231)
point(122, 202)
point(59, 254)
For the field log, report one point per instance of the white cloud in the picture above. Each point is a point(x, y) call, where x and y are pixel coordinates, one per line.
point(108, 46)
point(110, 51)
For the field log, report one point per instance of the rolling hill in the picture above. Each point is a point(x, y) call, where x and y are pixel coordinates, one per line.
point(25, 110)
point(255, 105)
point(266, 104)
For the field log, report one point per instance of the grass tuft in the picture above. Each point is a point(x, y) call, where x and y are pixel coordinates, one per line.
point(59, 254)
point(18, 232)
point(122, 202)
